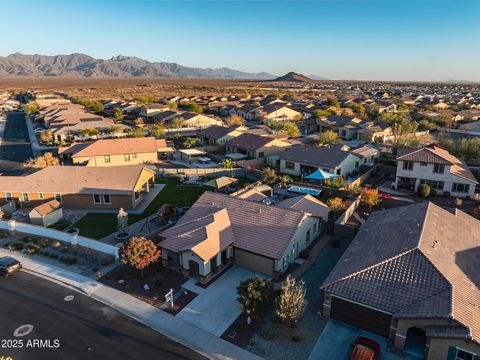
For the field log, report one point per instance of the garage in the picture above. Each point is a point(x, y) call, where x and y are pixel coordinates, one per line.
point(375, 321)
point(254, 262)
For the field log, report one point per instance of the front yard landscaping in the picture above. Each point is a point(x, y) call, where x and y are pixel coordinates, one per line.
point(84, 261)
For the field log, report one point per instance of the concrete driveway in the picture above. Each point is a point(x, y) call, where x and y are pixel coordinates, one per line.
point(216, 307)
point(337, 337)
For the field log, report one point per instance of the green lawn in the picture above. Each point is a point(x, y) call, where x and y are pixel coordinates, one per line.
point(98, 225)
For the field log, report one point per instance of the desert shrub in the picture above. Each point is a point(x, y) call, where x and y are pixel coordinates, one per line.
point(31, 249)
point(55, 244)
point(43, 242)
point(304, 254)
point(295, 338)
point(268, 333)
point(70, 260)
point(424, 190)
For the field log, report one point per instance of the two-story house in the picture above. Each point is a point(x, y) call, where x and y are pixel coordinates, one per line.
point(432, 165)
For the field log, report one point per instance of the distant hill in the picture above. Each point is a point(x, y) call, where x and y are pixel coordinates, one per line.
point(315, 77)
point(81, 65)
point(293, 77)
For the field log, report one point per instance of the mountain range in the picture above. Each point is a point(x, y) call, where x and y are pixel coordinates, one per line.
point(295, 77)
point(81, 65)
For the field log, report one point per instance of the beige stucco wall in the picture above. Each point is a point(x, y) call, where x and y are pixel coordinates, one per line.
point(48, 219)
point(438, 348)
point(116, 160)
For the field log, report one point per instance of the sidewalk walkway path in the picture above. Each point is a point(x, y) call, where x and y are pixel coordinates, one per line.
point(36, 147)
point(178, 330)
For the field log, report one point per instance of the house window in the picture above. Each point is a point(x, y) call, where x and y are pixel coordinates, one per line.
point(308, 236)
point(464, 355)
point(261, 154)
point(134, 156)
point(357, 164)
point(58, 197)
point(137, 195)
point(107, 159)
point(423, 164)
point(460, 188)
point(106, 199)
point(435, 185)
point(25, 197)
point(8, 196)
point(126, 157)
point(289, 165)
point(438, 169)
point(407, 165)
point(339, 171)
point(40, 196)
point(315, 227)
point(96, 199)
point(343, 133)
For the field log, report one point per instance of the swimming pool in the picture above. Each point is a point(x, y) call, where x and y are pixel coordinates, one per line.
point(304, 190)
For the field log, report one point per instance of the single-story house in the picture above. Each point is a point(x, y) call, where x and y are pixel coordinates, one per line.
point(46, 214)
point(411, 275)
point(218, 229)
point(305, 159)
point(114, 152)
point(220, 135)
point(256, 146)
point(85, 187)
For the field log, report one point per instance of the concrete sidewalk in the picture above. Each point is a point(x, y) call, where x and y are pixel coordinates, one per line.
point(178, 330)
point(36, 146)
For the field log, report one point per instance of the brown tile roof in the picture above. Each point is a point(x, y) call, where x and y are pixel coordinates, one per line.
point(205, 236)
point(47, 207)
point(76, 180)
point(436, 155)
point(119, 146)
point(321, 156)
point(252, 195)
point(307, 204)
point(216, 131)
point(248, 141)
point(258, 228)
point(416, 261)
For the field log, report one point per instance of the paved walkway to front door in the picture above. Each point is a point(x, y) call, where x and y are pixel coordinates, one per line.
point(216, 307)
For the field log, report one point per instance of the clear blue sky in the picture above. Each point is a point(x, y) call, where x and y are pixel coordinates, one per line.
point(382, 39)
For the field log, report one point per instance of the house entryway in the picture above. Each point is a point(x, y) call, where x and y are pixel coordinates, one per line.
point(194, 268)
point(415, 342)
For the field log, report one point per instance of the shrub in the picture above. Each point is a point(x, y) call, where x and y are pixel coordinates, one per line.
point(55, 244)
point(268, 333)
point(31, 249)
point(424, 190)
point(43, 242)
point(304, 254)
point(254, 295)
point(370, 198)
point(295, 338)
point(70, 260)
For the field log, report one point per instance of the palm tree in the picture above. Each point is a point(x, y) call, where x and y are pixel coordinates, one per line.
point(270, 175)
point(228, 164)
point(285, 180)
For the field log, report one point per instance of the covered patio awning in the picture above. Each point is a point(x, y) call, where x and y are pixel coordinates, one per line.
point(220, 182)
point(320, 175)
point(236, 156)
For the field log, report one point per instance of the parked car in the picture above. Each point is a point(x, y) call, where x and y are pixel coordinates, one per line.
point(9, 266)
point(365, 349)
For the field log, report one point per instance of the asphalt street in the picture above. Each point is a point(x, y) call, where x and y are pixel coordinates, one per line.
point(15, 146)
point(82, 328)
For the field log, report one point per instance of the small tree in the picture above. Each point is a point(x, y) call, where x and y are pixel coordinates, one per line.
point(235, 120)
point(190, 142)
point(270, 175)
point(176, 123)
point(328, 137)
point(369, 198)
point(43, 161)
point(424, 190)
point(336, 205)
point(31, 108)
point(46, 137)
point(291, 302)
point(254, 295)
point(156, 131)
point(334, 183)
point(117, 114)
point(139, 253)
